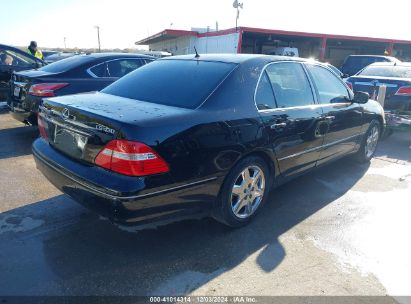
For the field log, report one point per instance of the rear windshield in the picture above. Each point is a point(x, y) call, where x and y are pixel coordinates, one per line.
point(359, 62)
point(67, 64)
point(179, 83)
point(387, 71)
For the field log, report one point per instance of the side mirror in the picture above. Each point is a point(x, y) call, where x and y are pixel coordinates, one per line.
point(344, 75)
point(361, 97)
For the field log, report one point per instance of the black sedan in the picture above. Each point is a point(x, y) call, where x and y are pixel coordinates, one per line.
point(13, 59)
point(210, 134)
point(77, 74)
point(395, 76)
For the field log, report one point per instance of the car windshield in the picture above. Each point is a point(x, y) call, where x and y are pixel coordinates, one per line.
point(67, 64)
point(387, 71)
point(179, 83)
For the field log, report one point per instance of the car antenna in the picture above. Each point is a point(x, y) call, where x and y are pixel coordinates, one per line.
point(197, 55)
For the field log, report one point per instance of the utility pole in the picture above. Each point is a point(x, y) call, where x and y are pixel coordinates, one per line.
point(98, 38)
point(65, 43)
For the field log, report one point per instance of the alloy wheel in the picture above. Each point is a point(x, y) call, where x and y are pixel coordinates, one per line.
point(372, 141)
point(247, 192)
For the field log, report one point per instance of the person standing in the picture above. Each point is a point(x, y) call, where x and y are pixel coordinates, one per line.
point(33, 50)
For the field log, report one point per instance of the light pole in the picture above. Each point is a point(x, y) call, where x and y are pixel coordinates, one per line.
point(98, 37)
point(65, 43)
point(237, 5)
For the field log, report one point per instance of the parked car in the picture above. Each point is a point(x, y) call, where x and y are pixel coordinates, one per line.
point(395, 76)
point(57, 56)
point(156, 54)
point(396, 98)
point(284, 51)
point(81, 73)
point(355, 63)
point(13, 59)
point(47, 53)
point(211, 134)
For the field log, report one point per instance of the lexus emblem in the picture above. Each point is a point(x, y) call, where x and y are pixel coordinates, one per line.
point(65, 113)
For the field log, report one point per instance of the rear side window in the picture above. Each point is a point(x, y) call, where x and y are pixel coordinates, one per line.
point(115, 68)
point(329, 86)
point(264, 97)
point(99, 70)
point(290, 84)
point(387, 71)
point(119, 68)
point(67, 64)
point(179, 83)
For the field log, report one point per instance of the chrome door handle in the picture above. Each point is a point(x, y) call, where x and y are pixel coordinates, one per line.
point(278, 125)
point(329, 117)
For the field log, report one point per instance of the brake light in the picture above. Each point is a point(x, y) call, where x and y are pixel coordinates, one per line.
point(41, 127)
point(45, 89)
point(349, 84)
point(404, 91)
point(131, 158)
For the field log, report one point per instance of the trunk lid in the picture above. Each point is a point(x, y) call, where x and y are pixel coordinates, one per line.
point(21, 82)
point(371, 84)
point(81, 125)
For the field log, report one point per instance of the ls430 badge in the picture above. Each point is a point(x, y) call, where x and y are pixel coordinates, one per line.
point(105, 129)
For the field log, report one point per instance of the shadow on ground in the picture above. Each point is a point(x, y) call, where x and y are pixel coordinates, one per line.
point(70, 251)
point(17, 141)
point(397, 146)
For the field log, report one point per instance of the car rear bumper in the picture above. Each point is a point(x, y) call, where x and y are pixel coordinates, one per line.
point(25, 111)
point(124, 199)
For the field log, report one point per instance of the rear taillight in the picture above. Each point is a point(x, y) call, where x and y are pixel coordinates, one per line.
point(404, 91)
point(41, 127)
point(131, 158)
point(349, 84)
point(45, 89)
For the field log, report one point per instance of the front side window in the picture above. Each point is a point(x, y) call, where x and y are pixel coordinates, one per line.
point(330, 88)
point(290, 84)
point(11, 58)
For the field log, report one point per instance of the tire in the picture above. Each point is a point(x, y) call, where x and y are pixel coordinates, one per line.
point(241, 195)
point(369, 142)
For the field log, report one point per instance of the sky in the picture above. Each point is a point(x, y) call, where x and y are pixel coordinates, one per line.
point(122, 22)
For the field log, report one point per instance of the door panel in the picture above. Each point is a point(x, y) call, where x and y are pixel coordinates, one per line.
point(343, 118)
point(344, 126)
point(296, 135)
point(292, 120)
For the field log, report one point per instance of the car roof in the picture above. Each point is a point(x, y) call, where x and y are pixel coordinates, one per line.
point(376, 56)
point(233, 58)
point(117, 55)
point(398, 64)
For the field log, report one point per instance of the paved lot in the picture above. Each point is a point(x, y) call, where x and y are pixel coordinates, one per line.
point(340, 231)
